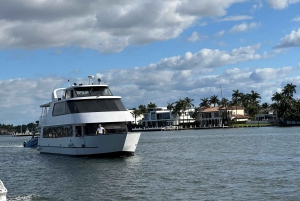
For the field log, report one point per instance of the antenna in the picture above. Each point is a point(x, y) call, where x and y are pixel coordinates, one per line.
point(90, 78)
point(221, 91)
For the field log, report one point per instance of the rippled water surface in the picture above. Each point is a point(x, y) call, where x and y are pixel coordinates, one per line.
point(208, 164)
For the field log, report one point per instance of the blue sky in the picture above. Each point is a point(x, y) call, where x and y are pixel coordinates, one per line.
point(147, 51)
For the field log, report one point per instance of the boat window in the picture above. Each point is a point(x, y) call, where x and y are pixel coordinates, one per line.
point(110, 128)
point(92, 91)
point(78, 131)
point(59, 109)
point(57, 132)
point(83, 106)
point(69, 94)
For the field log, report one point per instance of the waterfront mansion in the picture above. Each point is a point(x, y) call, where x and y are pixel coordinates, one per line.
point(161, 117)
point(216, 116)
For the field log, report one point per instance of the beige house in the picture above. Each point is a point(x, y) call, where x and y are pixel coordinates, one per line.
point(216, 116)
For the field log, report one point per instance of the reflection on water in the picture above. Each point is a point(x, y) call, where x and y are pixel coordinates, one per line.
point(212, 164)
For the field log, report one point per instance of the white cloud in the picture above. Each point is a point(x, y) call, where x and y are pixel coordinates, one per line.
point(296, 19)
point(219, 34)
point(257, 6)
point(236, 18)
point(290, 40)
point(243, 27)
point(194, 37)
point(106, 26)
point(264, 74)
point(206, 8)
point(209, 58)
point(281, 4)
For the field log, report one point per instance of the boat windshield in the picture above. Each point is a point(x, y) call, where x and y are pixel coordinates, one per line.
point(92, 91)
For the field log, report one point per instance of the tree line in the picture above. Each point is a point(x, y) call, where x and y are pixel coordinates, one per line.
point(284, 105)
point(19, 128)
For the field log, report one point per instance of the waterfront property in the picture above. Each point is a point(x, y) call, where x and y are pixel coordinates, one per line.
point(216, 116)
point(162, 117)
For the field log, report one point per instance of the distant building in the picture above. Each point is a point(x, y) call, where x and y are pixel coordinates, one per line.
point(161, 117)
point(266, 115)
point(216, 116)
point(3, 131)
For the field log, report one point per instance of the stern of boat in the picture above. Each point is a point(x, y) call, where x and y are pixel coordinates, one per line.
point(131, 141)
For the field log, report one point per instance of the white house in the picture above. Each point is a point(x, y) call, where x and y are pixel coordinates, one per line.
point(161, 117)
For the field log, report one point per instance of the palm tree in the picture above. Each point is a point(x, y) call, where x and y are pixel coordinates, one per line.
point(135, 113)
point(236, 98)
point(285, 106)
point(265, 105)
point(188, 104)
point(204, 103)
point(170, 106)
point(224, 104)
point(143, 109)
point(178, 108)
point(214, 100)
point(151, 105)
point(289, 90)
point(254, 96)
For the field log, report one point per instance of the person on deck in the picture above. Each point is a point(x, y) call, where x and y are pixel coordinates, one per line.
point(100, 130)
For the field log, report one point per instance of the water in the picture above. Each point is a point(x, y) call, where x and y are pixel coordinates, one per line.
point(212, 164)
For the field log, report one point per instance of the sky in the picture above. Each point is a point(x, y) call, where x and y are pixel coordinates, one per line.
point(146, 51)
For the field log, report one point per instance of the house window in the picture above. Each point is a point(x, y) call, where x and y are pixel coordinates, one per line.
point(153, 116)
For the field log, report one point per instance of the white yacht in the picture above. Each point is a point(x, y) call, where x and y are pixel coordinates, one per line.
point(69, 122)
point(3, 191)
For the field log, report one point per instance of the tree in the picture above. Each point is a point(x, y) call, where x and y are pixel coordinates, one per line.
point(188, 104)
point(254, 96)
point(236, 97)
point(289, 90)
point(214, 100)
point(170, 106)
point(265, 105)
point(178, 108)
point(143, 109)
point(204, 102)
point(136, 113)
point(151, 105)
point(287, 108)
point(224, 104)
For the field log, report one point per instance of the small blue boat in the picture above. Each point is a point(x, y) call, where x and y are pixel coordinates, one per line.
point(33, 142)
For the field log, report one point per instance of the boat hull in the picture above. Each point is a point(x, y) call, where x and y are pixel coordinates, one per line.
point(32, 143)
point(3, 191)
point(97, 145)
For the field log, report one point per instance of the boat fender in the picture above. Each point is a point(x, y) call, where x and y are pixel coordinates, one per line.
point(24, 143)
point(70, 144)
point(38, 148)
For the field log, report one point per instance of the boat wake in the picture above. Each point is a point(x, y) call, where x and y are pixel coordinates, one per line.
point(16, 146)
point(26, 197)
